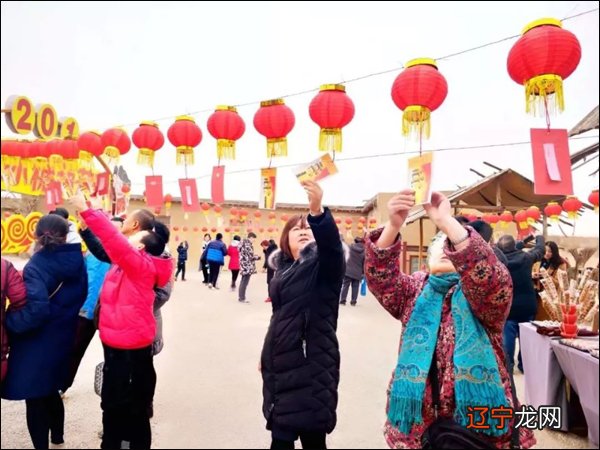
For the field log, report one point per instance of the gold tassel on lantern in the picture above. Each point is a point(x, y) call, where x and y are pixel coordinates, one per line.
point(85, 160)
point(330, 139)
point(542, 91)
point(185, 155)
point(112, 153)
point(146, 157)
point(277, 147)
point(416, 120)
point(56, 162)
point(225, 149)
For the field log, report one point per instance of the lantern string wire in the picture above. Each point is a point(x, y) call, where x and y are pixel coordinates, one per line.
point(369, 75)
point(381, 155)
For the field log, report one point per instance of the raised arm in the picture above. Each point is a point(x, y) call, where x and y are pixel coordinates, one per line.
point(486, 282)
point(537, 252)
point(94, 245)
point(394, 290)
point(329, 245)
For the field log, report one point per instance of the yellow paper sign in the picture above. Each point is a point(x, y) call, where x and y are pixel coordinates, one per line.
point(317, 170)
point(420, 177)
point(268, 187)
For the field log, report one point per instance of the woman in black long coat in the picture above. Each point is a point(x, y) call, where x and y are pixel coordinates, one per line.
point(300, 358)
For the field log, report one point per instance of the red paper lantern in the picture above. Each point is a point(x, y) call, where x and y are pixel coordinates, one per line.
point(533, 215)
point(115, 142)
point(148, 138)
point(274, 120)
point(243, 213)
point(284, 218)
point(272, 217)
point(196, 229)
point(175, 228)
point(249, 229)
point(505, 218)
point(257, 214)
point(471, 217)
point(521, 219)
point(541, 59)
point(168, 199)
point(218, 210)
point(492, 219)
point(204, 229)
point(572, 205)
point(226, 126)
point(205, 207)
point(184, 134)
point(338, 220)
point(553, 210)
point(270, 229)
point(125, 189)
point(419, 90)
point(362, 220)
point(332, 110)
point(233, 212)
point(593, 199)
point(261, 230)
point(90, 145)
point(213, 229)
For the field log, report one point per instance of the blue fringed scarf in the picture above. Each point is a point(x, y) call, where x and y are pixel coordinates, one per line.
point(477, 379)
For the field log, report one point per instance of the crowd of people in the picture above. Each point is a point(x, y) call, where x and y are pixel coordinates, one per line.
point(460, 320)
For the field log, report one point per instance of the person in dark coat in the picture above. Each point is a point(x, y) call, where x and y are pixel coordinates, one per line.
point(524, 304)
point(182, 256)
point(300, 359)
point(42, 334)
point(269, 248)
point(215, 253)
point(354, 271)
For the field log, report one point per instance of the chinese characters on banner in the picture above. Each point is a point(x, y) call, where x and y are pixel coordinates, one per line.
point(420, 175)
point(551, 162)
point(189, 195)
point(317, 170)
point(268, 187)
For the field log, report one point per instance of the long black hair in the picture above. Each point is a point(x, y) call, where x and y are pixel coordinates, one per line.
point(555, 260)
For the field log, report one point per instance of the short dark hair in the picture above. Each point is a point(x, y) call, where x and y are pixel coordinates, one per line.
point(237, 238)
point(51, 231)
point(483, 228)
point(62, 212)
point(145, 218)
point(284, 242)
point(219, 236)
point(507, 243)
point(462, 220)
point(251, 235)
point(156, 239)
point(117, 219)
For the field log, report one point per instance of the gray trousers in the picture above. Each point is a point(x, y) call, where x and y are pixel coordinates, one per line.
point(243, 286)
point(346, 285)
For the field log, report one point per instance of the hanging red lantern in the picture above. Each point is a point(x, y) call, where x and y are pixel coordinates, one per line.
point(284, 219)
point(175, 228)
point(243, 213)
point(274, 120)
point(90, 145)
point(270, 229)
point(553, 210)
point(184, 229)
point(196, 229)
point(218, 210)
point(572, 205)
point(521, 219)
point(338, 220)
point(226, 126)
point(184, 135)
point(362, 220)
point(533, 215)
point(272, 217)
point(126, 189)
point(168, 200)
point(148, 138)
point(505, 218)
point(249, 229)
point(471, 217)
point(257, 214)
point(593, 199)
point(261, 230)
point(213, 229)
point(115, 142)
point(543, 57)
point(204, 229)
point(492, 219)
point(332, 110)
point(233, 212)
point(419, 90)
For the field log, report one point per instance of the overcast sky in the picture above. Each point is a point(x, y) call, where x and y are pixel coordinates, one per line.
point(118, 63)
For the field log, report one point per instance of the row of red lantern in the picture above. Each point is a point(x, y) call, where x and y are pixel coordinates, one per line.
point(186, 229)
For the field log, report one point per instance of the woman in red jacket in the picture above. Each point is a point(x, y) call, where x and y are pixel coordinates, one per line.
point(13, 289)
point(127, 325)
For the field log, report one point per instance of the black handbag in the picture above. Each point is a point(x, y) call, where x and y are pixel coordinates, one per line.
point(446, 433)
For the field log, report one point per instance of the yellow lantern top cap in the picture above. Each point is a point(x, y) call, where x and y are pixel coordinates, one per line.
point(184, 117)
point(277, 101)
point(540, 22)
point(226, 108)
point(332, 87)
point(149, 123)
point(421, 62)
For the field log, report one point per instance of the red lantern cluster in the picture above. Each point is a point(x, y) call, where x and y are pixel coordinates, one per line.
point(90, 146)
point(419, 90)
point(332, 110)
point(541, 60)
point(492, 219)
point(184, 135)
point(505, 218)
point(148, 138)
point(274, 120)
point(226, 126)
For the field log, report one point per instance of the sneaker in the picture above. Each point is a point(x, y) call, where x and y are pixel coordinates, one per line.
point(232, 288)
point(210, 286)
point(353, 304)
point(268, 300)
point(343, 303)
point(243, 301)
point(216, 287)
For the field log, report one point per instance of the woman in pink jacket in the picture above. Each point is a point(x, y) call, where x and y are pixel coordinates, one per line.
point(127, 325)
point(451, 356)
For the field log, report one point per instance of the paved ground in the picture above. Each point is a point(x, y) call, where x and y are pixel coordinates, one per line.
point(209, 389)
